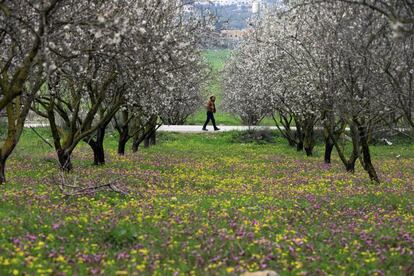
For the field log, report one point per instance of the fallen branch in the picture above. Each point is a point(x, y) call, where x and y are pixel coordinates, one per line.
point(73, 189)
point(86, 190)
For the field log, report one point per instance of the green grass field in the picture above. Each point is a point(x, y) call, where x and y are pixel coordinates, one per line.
point(216, 60)
point(203, 204)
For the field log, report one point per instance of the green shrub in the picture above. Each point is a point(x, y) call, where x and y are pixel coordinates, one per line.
point(261, 136)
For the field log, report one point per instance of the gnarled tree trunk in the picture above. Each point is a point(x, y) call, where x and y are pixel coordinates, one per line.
point(138, 138)
point(123, 139)
point(329, 145)
point(98, 153)
point(16, 112)
point(368, 166)
point(65, 160)
point(350, 164)
point(122, 126)
point(97, 146)
point(332, 131)
point(366, 155)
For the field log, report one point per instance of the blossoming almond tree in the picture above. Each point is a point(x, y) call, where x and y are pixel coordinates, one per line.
point(245, 87)
point(86, 74)
point(170, 79)
point(273, 76)
point(23, 70)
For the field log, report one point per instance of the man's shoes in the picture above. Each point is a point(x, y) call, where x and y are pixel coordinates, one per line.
point(216, 129)
point(204, 129)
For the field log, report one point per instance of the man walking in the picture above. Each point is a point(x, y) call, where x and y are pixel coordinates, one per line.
point(211, 109)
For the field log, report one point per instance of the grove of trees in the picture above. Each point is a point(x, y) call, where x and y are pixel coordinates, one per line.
point(339, 66)
point(84, 64)
point(345, 67)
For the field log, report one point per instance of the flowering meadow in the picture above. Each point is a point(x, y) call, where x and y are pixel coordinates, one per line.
point(205, 205)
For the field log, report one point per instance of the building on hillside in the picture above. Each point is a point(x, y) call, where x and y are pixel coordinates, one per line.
point(236, 34)
point(232, 38)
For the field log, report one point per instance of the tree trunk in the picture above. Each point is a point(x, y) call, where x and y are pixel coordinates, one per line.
point(299, 146)
point(309, 135)
point(153, 138)
point(291, 142)
point(16, 115)
point(309, 151)
point(309, 142)
point(299, 136)
point(123, 139)
point(147, 142)
point(348, 163)
point(99, 155)
point(329, 145)
point(122, 144)
point(65, 161)
point(368, 166)
point(366, 155)
point(97, 146)
point(138, 138)
point(290, 136)
point(350, 166)
point(135, 146)
point(286, 131)
point(98, 152)
point(136, 143)
point(2, 171)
